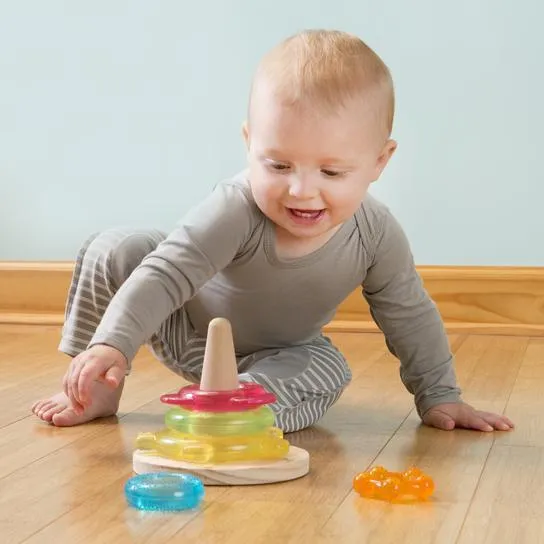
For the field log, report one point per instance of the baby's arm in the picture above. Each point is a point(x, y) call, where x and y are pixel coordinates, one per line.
point(409, 319)
point(207, 239)
point(415, 333)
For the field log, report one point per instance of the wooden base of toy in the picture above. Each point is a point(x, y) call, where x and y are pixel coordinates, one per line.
point(295, 465)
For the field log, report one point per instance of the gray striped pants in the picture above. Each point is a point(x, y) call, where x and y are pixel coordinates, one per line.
point(307, 380)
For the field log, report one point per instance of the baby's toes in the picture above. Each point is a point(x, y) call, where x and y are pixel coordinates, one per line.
point(36, 407)
point(44, 408)
point(47, 415)
point(41, 405)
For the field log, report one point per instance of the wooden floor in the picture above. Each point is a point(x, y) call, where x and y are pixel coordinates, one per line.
point(66, 485)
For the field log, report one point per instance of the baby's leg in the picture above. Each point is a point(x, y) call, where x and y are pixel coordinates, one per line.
point(178, 347)
point(307, 381)
point(103, 263)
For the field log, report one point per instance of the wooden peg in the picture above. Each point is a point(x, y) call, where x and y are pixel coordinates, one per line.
point(219, 372)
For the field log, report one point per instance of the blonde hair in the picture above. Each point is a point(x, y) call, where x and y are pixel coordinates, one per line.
point(328, 68)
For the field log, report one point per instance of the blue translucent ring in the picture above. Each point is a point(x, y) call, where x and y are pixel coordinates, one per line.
point(164, 491)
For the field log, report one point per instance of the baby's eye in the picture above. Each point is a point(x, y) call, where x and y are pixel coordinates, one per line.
point(278, 166)
point(331, 173)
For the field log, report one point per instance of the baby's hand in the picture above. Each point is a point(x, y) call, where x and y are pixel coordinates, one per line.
point(450, 415)
point(102, 363)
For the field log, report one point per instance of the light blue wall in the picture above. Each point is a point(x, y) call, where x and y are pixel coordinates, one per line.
point(127, 112)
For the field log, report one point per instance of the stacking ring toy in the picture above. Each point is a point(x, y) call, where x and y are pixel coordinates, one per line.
point(221, 430)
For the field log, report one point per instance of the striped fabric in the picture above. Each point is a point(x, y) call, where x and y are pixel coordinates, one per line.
point(307, 380)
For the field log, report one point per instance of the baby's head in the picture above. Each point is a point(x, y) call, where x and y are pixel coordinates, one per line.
point(318, 131)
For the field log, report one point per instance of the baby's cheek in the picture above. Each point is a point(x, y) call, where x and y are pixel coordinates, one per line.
point(272, 191)
point(265, 196)
point(351, 196)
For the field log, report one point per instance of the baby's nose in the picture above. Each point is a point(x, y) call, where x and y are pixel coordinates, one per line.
point(302, 189)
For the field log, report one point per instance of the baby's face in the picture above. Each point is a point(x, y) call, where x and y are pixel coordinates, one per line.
point(309, 171)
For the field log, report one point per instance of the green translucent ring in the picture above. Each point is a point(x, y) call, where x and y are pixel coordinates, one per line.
point(219, 423)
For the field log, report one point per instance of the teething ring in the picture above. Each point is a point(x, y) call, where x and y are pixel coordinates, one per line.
point(245, 397)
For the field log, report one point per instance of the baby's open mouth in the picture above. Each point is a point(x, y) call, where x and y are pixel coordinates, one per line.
point(308, 215)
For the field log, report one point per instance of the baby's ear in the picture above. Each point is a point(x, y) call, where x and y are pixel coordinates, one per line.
point(383, 158)
point(245, 133)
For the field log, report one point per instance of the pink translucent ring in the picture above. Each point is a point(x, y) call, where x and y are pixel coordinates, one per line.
point(246, 397)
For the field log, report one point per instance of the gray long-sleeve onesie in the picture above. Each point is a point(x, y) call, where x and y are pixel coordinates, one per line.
point(221, 262)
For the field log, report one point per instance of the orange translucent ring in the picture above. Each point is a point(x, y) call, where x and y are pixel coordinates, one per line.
point(379, 483)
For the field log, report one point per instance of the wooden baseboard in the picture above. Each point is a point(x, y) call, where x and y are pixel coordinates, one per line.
point(476, 300)
point(34, 292)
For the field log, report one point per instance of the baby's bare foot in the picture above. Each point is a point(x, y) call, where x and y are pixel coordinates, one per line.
point(58, 409)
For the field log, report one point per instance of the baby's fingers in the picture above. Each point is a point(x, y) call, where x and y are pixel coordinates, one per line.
point(501, 423)
point(114, 376)
point(65, 382)
point(90, 372)
point(71, 388)
point(478, 423)
point(439, 419)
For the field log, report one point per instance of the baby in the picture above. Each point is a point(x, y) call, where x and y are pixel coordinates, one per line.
point(274, 249)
